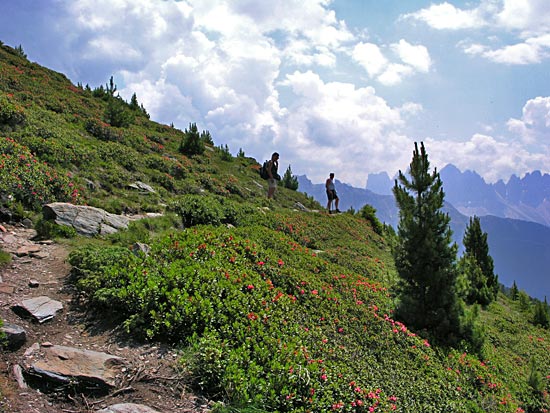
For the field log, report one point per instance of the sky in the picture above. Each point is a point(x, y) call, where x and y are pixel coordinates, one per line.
point(343, 86)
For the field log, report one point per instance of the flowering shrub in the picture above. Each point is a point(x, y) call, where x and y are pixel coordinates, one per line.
point(11, 114)
point(271, 324)
point(29, 181)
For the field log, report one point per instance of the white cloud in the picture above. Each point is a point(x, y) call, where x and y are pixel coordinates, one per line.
point(491, 158)
point(369, 56)
point(531, 16)
point(532, 50)
point(394, 74)
point(446, 16)
point(415, 56)
point(340, 127)
point(534, 125)
point(527, 21)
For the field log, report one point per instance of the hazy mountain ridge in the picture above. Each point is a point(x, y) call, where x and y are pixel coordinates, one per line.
point(520, 248)
point(526, 198)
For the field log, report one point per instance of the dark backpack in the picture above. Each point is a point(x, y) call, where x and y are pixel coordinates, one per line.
point(263, 170)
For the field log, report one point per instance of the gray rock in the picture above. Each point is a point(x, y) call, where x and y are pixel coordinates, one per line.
point(140, 248)
point(86, 220)
point(16, 335)
point(71, 365)
point(128, 408)
point(41, 308)
point(142, 187)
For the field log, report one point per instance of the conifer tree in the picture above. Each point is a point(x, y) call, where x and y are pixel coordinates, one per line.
point(290, 181)
point(542, 316)
point(483, 289)
point(514, 291)
point(425, 256)
point(192, 143)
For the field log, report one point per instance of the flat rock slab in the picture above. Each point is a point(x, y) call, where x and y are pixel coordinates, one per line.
point(41, 308)
point(27, 250)
point(128, 408)
point(72, 365)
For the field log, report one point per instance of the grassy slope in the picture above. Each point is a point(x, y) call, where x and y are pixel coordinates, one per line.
point(342, 316)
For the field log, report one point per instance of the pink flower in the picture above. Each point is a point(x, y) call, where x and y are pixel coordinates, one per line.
point(250, 287)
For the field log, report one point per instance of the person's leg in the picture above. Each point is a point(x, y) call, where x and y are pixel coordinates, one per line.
point(336, 204)
point(271, 189)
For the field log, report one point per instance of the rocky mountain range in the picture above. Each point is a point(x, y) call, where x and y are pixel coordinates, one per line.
point(515, 215)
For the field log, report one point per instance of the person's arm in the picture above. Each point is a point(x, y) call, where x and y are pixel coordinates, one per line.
point(270, 169)
point(326, 184)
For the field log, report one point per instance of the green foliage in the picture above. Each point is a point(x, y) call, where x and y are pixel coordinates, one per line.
point(368, 212)
point(484, 283)
point(225, 154)
point(102, 130)
point(191, 144)
point(20, 52)
point(12, 115)
point(29, 181)
point(269, 325)
point(290, 181)
point(46, 229)
point(541, 316)
point(5, 257)
point(206, 138)
point(477, 290)
point(240, 154)
point(425, 255)
point(315, 333)
point(117, 113)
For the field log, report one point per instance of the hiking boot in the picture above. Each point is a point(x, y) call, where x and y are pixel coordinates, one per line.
point(337, 210)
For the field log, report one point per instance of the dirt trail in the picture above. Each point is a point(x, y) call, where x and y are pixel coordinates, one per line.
point(149, 377)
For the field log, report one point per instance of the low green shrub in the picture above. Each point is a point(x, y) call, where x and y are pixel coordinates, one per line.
point(47, 229)
point(11, 114)
point(5, 257)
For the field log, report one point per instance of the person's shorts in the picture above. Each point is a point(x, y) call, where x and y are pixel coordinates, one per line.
point(272, 183)
point(331, 195)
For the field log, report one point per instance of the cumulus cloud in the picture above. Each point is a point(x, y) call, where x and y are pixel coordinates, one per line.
point(416, 56)
point(446, 16)
point(491, 158)
point(413, 58)
point(350, 130)
point(534, 125)
point(532, 50)
point(527, 21)
point(370, 57)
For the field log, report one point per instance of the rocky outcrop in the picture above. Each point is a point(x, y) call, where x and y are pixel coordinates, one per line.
point(86, 220)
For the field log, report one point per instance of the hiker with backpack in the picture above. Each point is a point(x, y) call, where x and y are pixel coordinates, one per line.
point(270, 172)
point(331, 194)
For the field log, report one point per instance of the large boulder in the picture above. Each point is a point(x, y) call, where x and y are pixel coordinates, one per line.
point(86, 220)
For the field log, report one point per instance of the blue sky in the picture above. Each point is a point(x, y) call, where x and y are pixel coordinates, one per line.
point(346, 86)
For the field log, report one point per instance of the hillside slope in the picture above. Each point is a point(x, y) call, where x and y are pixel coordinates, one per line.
point(520, 249)
point(270, 306)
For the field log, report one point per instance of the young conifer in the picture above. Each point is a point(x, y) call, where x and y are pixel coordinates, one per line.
point(483, 289)
point(425, 255)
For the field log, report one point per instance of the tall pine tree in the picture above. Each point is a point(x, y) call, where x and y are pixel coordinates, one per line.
point(425, 256)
